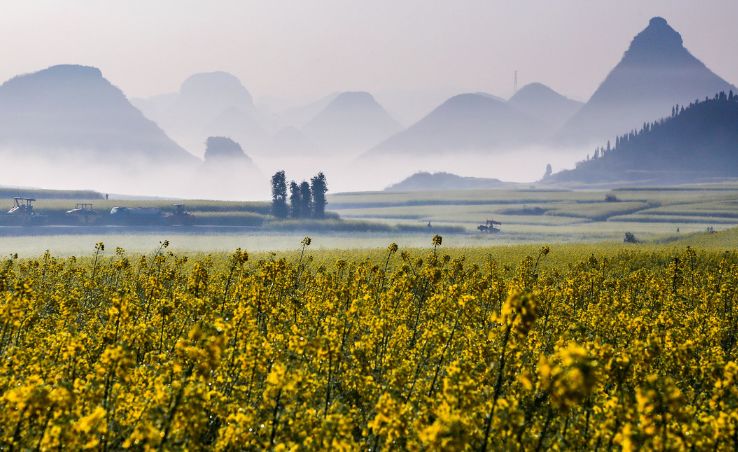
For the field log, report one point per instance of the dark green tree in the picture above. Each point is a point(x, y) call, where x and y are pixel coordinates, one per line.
point(295, 200)
point(279, 195)
point(319, 187)
point(305, 200)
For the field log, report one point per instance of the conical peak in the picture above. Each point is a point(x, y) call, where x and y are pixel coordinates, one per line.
point(657, 22)
point(354, 98)
point(657, 39)
point(210, 78)
point(225, 87)
point(534, 90)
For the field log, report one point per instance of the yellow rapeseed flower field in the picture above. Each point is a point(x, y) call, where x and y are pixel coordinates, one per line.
point(406, 349)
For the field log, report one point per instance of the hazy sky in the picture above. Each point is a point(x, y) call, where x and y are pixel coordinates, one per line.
point(400, 49)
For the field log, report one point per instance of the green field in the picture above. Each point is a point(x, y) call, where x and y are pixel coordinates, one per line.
point(556, 215)
point(371, 220)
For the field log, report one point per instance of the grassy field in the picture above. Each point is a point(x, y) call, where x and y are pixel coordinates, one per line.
point(558, 215)
point(374, 219)
point(329, 245)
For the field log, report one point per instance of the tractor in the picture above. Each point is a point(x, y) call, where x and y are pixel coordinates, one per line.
point(84, 212)
point(180, 217)
point(22, 207)
point(490, 226)
point(23, 210)
point(136, 216)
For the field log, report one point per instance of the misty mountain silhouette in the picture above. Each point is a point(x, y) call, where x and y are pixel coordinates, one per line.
point(299, 116)
point(352, 121)
point(209, 93)
point(695, 143)
point(544, 104)
point(291, 141)
point(207, 104)
point(424, 181)
point(227, 169)
point(466, 122)
point(223, 150)
point(655, 73)
point(489, 96)
point(73, 111)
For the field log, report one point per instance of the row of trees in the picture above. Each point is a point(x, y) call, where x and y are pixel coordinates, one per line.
point(306, 199)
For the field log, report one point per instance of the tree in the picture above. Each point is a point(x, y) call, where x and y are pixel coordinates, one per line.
point(319, 188)
point(279, 195)
point(306, 199)
point(630, 238)
point(295, 200)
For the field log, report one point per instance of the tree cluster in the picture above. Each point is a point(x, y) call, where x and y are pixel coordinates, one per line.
point(306, 199)
point(664, 127)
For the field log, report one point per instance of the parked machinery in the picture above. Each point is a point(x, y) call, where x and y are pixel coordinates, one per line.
point(84, 212)
point(136, 215)
point(22, 207)
point(23, 211)
point(179, 217)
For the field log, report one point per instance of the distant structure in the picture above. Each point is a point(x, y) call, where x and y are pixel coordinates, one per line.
point(515, 82)
point(490, 226)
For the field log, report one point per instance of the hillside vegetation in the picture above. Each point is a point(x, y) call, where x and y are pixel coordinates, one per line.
point(697, 142)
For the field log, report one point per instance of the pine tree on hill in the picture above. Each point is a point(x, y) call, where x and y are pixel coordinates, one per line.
point(699, 140)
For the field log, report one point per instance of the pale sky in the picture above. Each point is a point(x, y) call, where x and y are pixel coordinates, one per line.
point(303, 49)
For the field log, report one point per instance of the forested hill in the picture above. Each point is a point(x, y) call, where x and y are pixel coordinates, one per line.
point(696, 142)
point(656, 72)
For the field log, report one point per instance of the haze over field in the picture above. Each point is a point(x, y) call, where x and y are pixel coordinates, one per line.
point(367, 93)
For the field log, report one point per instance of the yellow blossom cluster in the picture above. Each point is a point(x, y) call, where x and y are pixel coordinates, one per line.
point(413, 350)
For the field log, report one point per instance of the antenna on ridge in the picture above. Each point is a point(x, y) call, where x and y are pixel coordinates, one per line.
point(515, 82)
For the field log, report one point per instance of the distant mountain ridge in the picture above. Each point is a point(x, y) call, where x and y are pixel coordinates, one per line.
point(223, 150)
point(227, 168)
point(424, 181)
point(207, 104)
point(72, 110)
point(544, 104)
point(695, 143)
point(351, 121)
point(655, 73)
point(300, 115)
point(464, 123)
